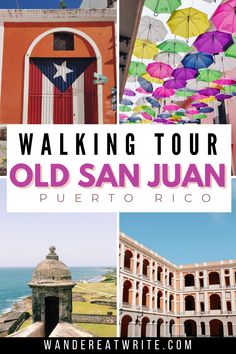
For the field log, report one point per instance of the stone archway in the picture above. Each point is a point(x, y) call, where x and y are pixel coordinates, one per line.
point(190, 328)
point(216, 328)
point(144, 324)
point(125, 322)
point(51, 314)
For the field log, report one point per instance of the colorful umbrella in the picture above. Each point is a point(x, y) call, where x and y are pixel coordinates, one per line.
point(188, 22)
point(146, 85)
point(162, 6)
point(206, 110)
point(129, 92)
point(223, 96)
point(142, 90)
point(213, 42)
point(144, 49)
point(141, 101)
point(199, 105)
point(192, 111)
point(136, 68)
point(224, 17)
point(171, 107)
point(223, 63)
point(185, 93)
point(184, 73)
point(197, 60)
point(126, 102)
point(231, 51)
point(164, 115)
point(146, 109)
point(154, 103)
point(134, 119)
point(209, 92)
point(225, 81)
point(123, 116)
point(175, 84)
point(168, 58)
point(196, 85)
point(230, 88)
point(125, 109)
point(163, 92)
point(174, 46)
point(146, 116)
point(208, 75)
point(151, 29)
point(200, 116)
point(159, 70)
point(154, 80)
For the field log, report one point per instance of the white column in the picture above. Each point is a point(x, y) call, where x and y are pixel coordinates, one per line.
point(164, 301)
point(150, 270)
point(231, 276)
point(140, 293)
point(168, 302)
point(197, 303)
point(232, 300)
point(141, 265)
point(174, 280)
point(175, 305)
point(181, 304)
point(121, 290)
point(196, 283)
point(150, 298)
point(222, 278)
point(164, 276)
point(122, 248)
point(155, 299)
point(131, 329)
point(223, 302)
point(135, 262)
point(206, 302)
point(205, 282)
point(181, 280)
point(134, 293)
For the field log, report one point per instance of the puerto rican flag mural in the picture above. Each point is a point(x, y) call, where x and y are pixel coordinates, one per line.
point(62, 91)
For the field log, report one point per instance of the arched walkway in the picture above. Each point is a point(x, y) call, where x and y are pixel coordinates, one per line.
point(216, 328)
point(145, 267)
point(171, 328)
point(145, 293)
point(214, 278)
point(159, 327)
point(189, 280)
point(190, 328)
point(144, 323)
point(127, 292)
point(125, 325)
point(215, 302)
point(189, 303)
point(128, 258)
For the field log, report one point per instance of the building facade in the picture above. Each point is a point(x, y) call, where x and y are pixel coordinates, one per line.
point(51, 63)
point(160, 299)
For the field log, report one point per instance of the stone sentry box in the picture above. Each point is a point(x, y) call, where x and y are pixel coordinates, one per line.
point(51, 292)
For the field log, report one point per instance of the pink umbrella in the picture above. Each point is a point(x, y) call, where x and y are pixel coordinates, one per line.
point(163, 92)
point(175, 84)
point(141, 90)
point(159, 70)
point(224, 17)
point(225, 81)
point(128, 92)
point(171, 107)
point(198, 97)
point(192, 111)
point(147, 116)
point(123, 116)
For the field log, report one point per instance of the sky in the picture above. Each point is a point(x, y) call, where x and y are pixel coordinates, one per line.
point(185, 238)
point(37, 4)
point(81, 239)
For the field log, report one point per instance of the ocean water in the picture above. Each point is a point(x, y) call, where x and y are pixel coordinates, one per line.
point(13, 282)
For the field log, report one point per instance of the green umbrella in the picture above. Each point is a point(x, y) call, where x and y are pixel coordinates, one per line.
point(162, 6)
point(137, 68)
point(231, 51)
point(199, 116)
point(174, 46)
point(180, 114)
point(149, 111)
point(125, 109)
point(185, 93)
point(229, 89)
point(208, 75)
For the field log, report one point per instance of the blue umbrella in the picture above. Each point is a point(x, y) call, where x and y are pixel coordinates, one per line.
point(164, 115)
point(153, 102)
point(146, 85)
point(126, 102)
point(197, 60)
point(206, 110)
point(134, 119)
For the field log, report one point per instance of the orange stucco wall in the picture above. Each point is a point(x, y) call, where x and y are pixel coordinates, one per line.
point(17, 39)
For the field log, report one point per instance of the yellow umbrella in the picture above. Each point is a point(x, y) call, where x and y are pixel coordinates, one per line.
point(155, 80)
point(145, 49)
point(188, 22)
point(208, 99)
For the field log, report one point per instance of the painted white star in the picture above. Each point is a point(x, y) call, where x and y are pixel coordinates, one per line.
point(62, 71)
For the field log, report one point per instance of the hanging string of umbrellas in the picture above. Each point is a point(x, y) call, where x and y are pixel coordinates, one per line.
point(181, 68)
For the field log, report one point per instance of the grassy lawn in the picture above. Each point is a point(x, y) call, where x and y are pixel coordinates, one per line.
point(98, 330)
point(90, 309)
point(99, 289)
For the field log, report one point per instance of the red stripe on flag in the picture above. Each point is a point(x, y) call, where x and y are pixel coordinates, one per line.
point(35, 95)
point(63, 106)
point(90, 95)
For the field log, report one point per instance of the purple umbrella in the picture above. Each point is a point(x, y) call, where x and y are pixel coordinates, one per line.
point(222, 97)
point(213, 42)
point(199, 105)
point(128, 92)
point(175, 84)
point(209, 92)
point(184, 73)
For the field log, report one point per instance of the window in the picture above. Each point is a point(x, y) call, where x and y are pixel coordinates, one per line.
point(63, 41)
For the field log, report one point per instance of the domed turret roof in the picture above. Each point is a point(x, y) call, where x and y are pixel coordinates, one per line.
point(51, 271)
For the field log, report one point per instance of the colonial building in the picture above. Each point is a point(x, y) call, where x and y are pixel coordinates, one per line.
point(58, 66)
point(161, 299)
